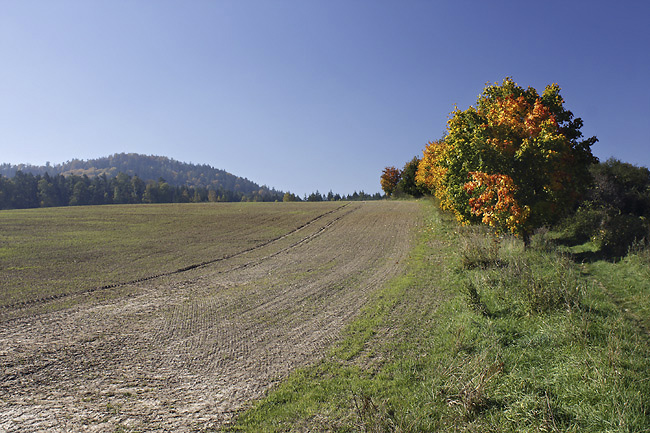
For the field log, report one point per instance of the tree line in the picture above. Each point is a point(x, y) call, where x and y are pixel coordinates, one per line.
point(26, 190)
point(330, 196)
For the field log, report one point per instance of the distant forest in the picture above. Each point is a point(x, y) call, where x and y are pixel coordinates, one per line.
point(132, 178)
point(146, 167)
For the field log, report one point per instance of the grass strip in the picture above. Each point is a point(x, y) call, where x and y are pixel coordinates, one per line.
point(476, 335)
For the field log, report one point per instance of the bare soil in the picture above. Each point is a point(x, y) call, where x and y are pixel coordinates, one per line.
point(186, 351)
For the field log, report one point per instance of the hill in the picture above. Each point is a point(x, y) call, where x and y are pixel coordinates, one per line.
point(146, 167)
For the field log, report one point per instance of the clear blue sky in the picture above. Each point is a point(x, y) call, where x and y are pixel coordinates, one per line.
point(305, 95)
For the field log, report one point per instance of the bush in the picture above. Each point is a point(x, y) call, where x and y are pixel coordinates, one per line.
point(620, 232)
point(622, 186)
point(640, 252)
point(582, 225)
point(550, 291)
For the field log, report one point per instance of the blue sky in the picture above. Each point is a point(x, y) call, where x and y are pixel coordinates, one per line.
point(305, 95)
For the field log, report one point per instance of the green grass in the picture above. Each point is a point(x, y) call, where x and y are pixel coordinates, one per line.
point(497, 340)
point(627, 282)
point(51, 251)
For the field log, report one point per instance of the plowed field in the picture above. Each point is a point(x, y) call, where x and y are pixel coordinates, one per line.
point(184, 346)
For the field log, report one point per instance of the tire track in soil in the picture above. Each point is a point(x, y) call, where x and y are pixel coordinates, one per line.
point(192, 349)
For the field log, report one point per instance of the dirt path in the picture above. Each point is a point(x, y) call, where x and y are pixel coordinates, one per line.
point(185, 352)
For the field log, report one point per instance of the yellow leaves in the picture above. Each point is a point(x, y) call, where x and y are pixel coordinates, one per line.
point(550, 154)
point(431, 171)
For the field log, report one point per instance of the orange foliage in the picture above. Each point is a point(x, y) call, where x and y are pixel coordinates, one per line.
point(492, 197)
point(514, 122)
point(389, 179)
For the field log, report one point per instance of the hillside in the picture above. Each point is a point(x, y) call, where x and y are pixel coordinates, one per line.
point(146, 167)
point(173, 318)
point(349, 317)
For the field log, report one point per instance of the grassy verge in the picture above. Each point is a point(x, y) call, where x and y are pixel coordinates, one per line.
point(477, 335)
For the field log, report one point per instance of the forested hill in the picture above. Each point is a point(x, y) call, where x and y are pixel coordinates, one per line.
point(146, 167)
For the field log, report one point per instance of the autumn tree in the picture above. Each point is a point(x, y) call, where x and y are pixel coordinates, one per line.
point(516, 161)
point(431, 173)
point(389, 180)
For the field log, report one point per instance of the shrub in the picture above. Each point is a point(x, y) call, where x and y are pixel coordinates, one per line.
point(639, 252)
point(529, 282)
point(582, 225)
point(620, 232)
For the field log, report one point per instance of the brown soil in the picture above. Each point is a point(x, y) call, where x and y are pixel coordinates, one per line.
point(187, 351)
